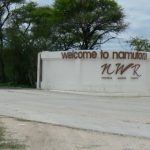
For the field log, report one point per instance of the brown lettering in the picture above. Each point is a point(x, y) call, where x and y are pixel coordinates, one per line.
point(64, 55)
point(135, 70)
point(94, 54)
point(122, 68)
point(106, 68)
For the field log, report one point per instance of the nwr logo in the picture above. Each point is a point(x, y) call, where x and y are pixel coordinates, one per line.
point(120, 69)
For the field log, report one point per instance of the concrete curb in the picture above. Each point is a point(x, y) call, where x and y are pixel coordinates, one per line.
point(103, 94)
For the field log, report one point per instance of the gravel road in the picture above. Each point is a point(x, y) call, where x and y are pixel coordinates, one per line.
point(119, 115)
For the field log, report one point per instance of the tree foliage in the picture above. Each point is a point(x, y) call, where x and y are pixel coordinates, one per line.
point(5, 12)
point(21, 46)
point(28, 29)
point(139, 44)
point(86, 24)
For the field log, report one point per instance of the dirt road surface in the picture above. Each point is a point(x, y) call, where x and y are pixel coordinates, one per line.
point(119, 115)
point(40, 136)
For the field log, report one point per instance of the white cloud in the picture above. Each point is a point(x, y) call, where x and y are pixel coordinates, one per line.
point(138, 17)
point(137, 12)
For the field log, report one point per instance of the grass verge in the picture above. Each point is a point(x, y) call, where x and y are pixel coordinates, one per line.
point(11, 144)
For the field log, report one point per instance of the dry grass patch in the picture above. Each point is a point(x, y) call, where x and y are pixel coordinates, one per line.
point(9, 143)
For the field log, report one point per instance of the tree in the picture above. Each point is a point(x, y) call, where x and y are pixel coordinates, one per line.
point(139, 44)
point(86, 24)
point(68, 24)
point(27, 34)
point(21, 50)
point(42, 28)
point(4, 16)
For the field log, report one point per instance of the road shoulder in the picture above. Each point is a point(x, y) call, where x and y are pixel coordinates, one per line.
point(51, 137)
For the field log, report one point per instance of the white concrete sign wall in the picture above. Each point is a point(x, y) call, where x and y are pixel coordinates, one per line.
point(94, 71)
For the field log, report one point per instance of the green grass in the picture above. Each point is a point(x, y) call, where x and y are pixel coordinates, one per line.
point(10, 144)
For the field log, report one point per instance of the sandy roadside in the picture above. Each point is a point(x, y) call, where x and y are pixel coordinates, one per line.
point(39, 136)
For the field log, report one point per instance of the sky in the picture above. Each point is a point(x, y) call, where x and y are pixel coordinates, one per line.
point(137, 15)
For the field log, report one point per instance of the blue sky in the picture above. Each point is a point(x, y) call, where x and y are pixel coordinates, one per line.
point(137, 15)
